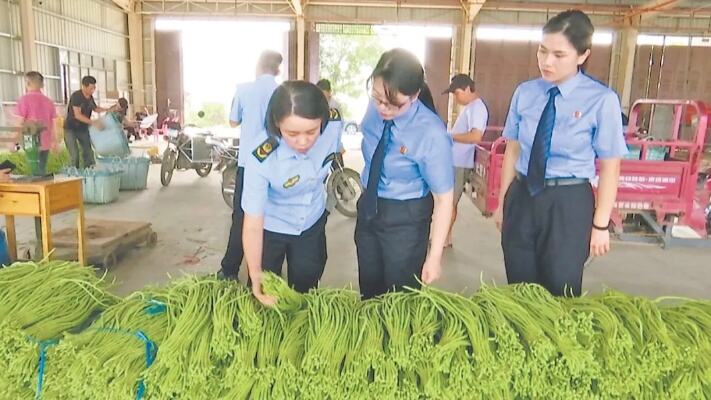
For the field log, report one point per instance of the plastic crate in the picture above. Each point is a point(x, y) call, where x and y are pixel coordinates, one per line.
point(134, 170)
point(657, 153)
point(100, 186)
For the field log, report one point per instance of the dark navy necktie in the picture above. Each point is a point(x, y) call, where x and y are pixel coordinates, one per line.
point(542, 145)
point(376, 169)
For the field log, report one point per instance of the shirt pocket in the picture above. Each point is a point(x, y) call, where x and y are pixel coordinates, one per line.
point(528, 124)
point(574, 136)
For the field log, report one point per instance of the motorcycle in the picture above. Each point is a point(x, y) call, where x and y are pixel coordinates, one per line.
point(343, 188)
point(225, 153)
point(186, 150)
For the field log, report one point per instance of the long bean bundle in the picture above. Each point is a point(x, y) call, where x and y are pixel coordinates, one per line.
point(38, 303)
point(213, 340)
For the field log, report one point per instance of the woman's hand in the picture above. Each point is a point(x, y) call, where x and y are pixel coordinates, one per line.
point(431, 270)
point(266, 300)
point(599, 242)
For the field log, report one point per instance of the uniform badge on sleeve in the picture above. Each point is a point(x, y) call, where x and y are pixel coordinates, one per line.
point(291, 181)
point(265, 149)
point(334, 114)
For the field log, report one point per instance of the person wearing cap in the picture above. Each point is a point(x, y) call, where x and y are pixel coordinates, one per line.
point(557, 126)
point(468, 130)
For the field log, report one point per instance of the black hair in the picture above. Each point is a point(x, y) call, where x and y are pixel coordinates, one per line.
point(401, 72)
point(269, 62)
point(576, 26)
point(88, 80)
point(35, 77)
point(123, 103)
point(324, 84)
point(300, 98)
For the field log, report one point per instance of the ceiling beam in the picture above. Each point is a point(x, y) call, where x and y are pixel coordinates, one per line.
point(471, 8)
point(297, 7)
point(126, 5)
point(650, 8)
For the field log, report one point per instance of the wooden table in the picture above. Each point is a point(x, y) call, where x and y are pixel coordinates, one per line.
point(42, 199)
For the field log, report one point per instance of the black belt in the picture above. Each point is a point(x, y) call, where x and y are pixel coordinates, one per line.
point(557, 181)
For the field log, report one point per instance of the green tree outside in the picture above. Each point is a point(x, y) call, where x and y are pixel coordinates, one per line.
point(214, 116)
point(347, 61)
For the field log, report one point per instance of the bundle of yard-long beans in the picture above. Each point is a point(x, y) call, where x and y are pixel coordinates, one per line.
point(214, 340)
point(204, 339)
point(510, 342)
point(108, 359)
point(38, 303)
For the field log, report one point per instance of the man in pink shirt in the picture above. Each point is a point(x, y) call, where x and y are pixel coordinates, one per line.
point(35, 107)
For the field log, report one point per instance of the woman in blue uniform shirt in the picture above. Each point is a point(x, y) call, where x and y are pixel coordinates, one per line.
point(556, 127)
point(284, 198)
point(408, 178)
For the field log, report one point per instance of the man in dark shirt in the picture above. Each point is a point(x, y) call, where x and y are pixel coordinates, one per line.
point(76, 126)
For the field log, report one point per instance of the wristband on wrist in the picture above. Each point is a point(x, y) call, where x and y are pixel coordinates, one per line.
point(601, 228)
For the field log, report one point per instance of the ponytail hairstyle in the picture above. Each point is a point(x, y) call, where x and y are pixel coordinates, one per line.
point(401, 72)
point(299, 98)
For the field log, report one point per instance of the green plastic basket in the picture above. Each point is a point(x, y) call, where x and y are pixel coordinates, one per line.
point(657, 153)
point(134, 170)
point(100, 186)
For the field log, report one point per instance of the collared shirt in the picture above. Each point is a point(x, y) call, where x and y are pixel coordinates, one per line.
point(35, 106)
point(418, 158)
point(87, 105)
point(473, 116)
point(587, 125)
point(287, 187)
point(249, 108)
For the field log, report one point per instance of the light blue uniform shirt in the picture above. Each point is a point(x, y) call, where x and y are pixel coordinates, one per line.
point(287, 187)
point(249, 108)
point(587, 125)
point(473, 116)
point(418, 158)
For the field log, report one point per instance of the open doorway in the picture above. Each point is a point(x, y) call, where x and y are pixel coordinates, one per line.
point(347, 55)
point(208, 61)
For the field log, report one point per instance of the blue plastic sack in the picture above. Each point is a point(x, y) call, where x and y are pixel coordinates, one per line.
point(4, 253)
point(111, 140)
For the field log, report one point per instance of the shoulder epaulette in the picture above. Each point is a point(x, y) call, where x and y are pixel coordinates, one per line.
point(266, 148)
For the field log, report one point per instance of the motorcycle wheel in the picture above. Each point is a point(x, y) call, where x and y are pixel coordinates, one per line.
point(229, 180)
point(167, 166)
point(203, 169)
point(346, 188)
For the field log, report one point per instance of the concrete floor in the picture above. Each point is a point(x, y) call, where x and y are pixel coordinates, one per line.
point(192, 223)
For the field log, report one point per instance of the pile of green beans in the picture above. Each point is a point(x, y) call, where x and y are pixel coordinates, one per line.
point(212, 340)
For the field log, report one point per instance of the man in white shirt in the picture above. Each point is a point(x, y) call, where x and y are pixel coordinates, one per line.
point(325, 86)
point(467, 131)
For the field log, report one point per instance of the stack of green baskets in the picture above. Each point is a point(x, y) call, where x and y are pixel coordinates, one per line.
point(101, 185)
point(134, 170)
point(654, 153)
